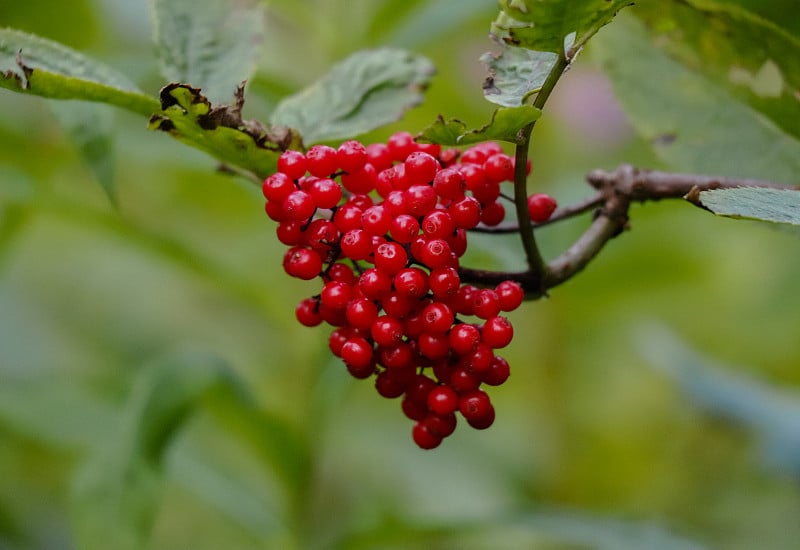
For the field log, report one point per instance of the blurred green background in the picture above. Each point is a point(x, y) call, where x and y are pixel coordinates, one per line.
point(592, 447)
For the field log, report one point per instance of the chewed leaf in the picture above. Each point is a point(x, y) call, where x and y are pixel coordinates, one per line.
point(504, 126)
point(37, 66)
point(367, 90)
point(543, 25)
point(212, 45)
point(220, 130)
point(515, 73)
point(754, 203)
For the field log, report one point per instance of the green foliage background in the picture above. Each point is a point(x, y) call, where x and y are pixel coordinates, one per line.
point(592, 448)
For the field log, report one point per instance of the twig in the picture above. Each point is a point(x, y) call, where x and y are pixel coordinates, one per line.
point(616, 190)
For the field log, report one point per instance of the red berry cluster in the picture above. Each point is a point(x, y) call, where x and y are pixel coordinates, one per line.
point(383, 227)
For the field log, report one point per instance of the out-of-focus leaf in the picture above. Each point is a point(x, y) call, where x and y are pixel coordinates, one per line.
point(752, 58)
point(432, 19)
point(220, 131)
point(212, 45)
point(504, 126)
point(34, 65)
point(692, 124)
point(543, 25)
point(754, 203)
point(54, 412)
point(772, 412)
point(90, 127)
point(515, 74)
point(116, 493)
point(367, 90)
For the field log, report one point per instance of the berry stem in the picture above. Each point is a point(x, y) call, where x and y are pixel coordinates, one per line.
point(536, 264)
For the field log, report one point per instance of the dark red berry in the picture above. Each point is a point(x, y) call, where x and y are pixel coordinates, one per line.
point(443, 400)
point(424, 437)
point(541, 207)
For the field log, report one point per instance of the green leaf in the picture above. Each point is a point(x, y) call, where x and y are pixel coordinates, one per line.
point(220, 131)
point(543, 25)
point(34, 65)
point(504, 126)
point(91, 128)
point(212, 45)
point(692, 124)
point(116, 493)
point(752, 58)
point(367, 90)
point(515, 74)
point(754, 203)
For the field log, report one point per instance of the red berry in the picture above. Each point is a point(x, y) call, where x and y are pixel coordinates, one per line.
point(493, 213)
point(441, 425)
point(357, 352)
point(302, 263)
point(443, 400)
point(497, 332)
point(420, 168)
point(411, 282)
point(390, 258)
point(497, 373)
point(389, 385)
point(293, 164)
point(449, 183)
point(351, 156)
point(474, 404)
point(374, 283)
point(486, 303)
point(466, 212)
point(376, 220)
point(290, 233)
point(336, 295)
point(277, 187)
point(347, 217)
point(361, 181)
point(401, 144)
point(444, 282)
point(404, 228)
point(541, 207)
point(437, 317)
point(379, 155)
point(386, 331)
point(464, 338)
point(510, 294)
point(484, 421)
point(307, 312)
point(396, 305)
point(414, 409)
point(326, 192)
point(321, 161)
point(420, 199)
point(499, 167)
point(361, 313)
point(424, 437)
point(438, 224)
point(356, 244)
point(299, 205)
point(397, 356)
point(435, 253)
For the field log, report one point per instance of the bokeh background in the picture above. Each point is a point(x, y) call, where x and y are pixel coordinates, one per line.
point(653, 401)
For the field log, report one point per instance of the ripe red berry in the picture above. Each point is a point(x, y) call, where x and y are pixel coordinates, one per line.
point(299, 205)
point(433, 345)
point(357, 352)
point(386, 331)
point(497, 332)
point(307, 312)
point(326, 192)
point(510, 294)
point(437, 317)
point(390, 258)
point(302, 263)
point(498, 373)
point(356, 244)
point(541, 207)
point(336, 295)
point(438, 224)
point(466, 212)
point(374, 283)
point(435, 253)
point(351, 156)
point(404, 228)
point(443, 400)
point(493, 213)
point(424, 437)
point(444, 282)
point(376, 220)
point(486, 303)
point(411, 282)
point(474, 404)
point(361, 313)
point(321, 161)
point(441, 425)
point(420, 168)
point(401, 144)
point(464, 338)
point(347, 217)
point(449, 183)
point(499, 167)
point(292, 163)
point(277, 187)
point(420, 199)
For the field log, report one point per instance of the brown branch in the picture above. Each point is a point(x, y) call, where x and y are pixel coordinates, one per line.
point(616, 190)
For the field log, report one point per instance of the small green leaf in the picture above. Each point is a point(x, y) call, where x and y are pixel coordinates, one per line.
point(34, 65)
point(367, 90)
point(693, 124)
point(543, 25)
point(116, 493)
point(754, 203)
point(220, 131)
point(212, 45)
point(750, 57)
point(515, 74)
point(91, 128)
point(505, 126)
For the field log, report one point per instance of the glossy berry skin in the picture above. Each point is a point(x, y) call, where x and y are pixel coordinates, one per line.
point(442, 400)
point(541, 207)
point(382, 228)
